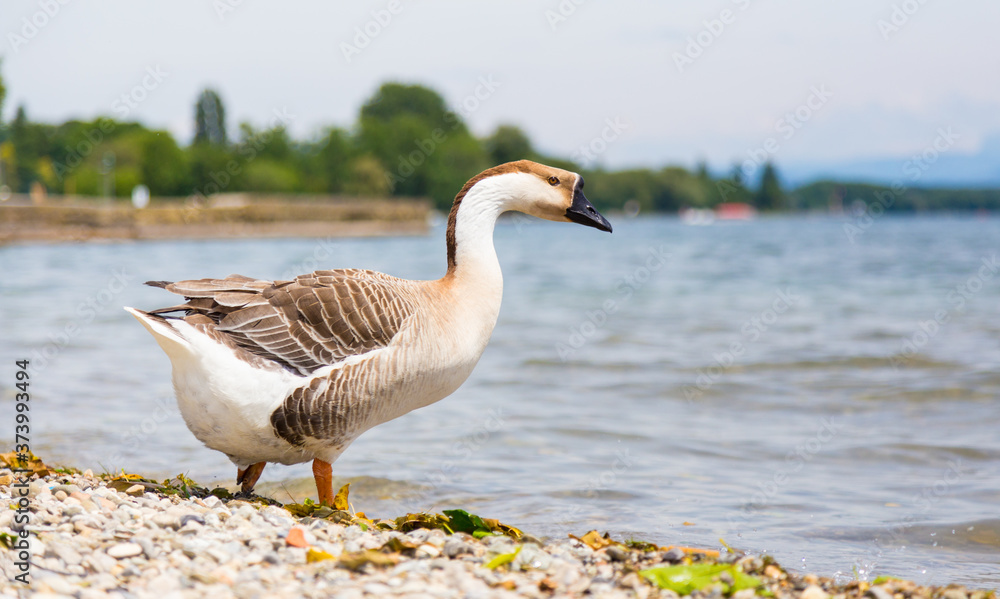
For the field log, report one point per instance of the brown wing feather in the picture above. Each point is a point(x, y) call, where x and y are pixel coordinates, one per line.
point(316, 320)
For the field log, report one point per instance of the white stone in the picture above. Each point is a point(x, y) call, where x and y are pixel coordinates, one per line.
point(123, 550)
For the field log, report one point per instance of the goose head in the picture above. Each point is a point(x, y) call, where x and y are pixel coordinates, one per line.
point(551, 193)
point(524, 186)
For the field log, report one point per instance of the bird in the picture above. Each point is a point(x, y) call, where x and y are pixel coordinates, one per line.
point(290, 371)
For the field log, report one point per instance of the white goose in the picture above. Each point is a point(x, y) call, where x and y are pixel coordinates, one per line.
point(292, 371)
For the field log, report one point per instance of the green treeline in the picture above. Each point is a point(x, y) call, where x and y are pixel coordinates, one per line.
point(405, 142)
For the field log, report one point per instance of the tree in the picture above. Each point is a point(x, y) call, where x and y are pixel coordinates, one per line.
point(769, 196)
point(405, 127)
point(162, 164)
point(459, 158)
point(397, 99)
point(3, 93)
point(30, 141)
point(507, 144)
point(732, 189)
point(367, 177)
point(209, 119)
point(334, 157)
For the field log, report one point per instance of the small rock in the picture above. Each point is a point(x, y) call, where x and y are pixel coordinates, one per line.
point(123, 550)
point(878, 593)
point(135, 490)
point(60, 495)
point(953, 594)
point(455, 547)
point(427, 550)
point(191, 518)
point(814, 592)
point(419, 535)
point(672, 556)
point(67, 554)
point(147, 547)
point(618, 553)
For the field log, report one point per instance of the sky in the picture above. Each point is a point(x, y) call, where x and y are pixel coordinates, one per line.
point(628, 83)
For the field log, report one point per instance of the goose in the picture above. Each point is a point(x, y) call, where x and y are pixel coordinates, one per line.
point(293, 371)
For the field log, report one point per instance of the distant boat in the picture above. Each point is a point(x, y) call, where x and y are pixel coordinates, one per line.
point(735, 211)
point(697, 216)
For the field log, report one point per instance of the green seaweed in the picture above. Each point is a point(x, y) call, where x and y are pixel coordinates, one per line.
point(503, 559)
point(685, 579)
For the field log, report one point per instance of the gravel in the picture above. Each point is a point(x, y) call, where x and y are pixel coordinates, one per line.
point(89, 539)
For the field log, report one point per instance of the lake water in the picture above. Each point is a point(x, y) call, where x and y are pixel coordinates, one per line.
point(829, 400)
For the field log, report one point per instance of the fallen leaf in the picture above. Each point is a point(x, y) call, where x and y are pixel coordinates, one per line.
point(594, 540)
point(503, 559)
point(340, 501)
point(315, 555)
point(397, 545)
point(33, 463)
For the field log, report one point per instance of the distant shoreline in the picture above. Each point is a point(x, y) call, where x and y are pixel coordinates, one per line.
point(69, 220)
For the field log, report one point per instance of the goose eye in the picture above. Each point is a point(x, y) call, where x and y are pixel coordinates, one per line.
point(553, 180)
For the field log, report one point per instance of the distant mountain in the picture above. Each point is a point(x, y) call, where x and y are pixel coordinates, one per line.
point(979, 170)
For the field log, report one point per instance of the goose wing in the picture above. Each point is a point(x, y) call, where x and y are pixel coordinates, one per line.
point(316, 320)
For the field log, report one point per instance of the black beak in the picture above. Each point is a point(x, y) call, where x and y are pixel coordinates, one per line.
point(583, 212)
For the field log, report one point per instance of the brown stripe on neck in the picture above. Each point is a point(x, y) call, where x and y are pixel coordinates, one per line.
point(520, 166)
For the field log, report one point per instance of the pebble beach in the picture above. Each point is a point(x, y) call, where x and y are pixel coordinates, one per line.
point(122, 536)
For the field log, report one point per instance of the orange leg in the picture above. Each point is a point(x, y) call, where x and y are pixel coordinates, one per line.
point(248, 478)
point(323, 473)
